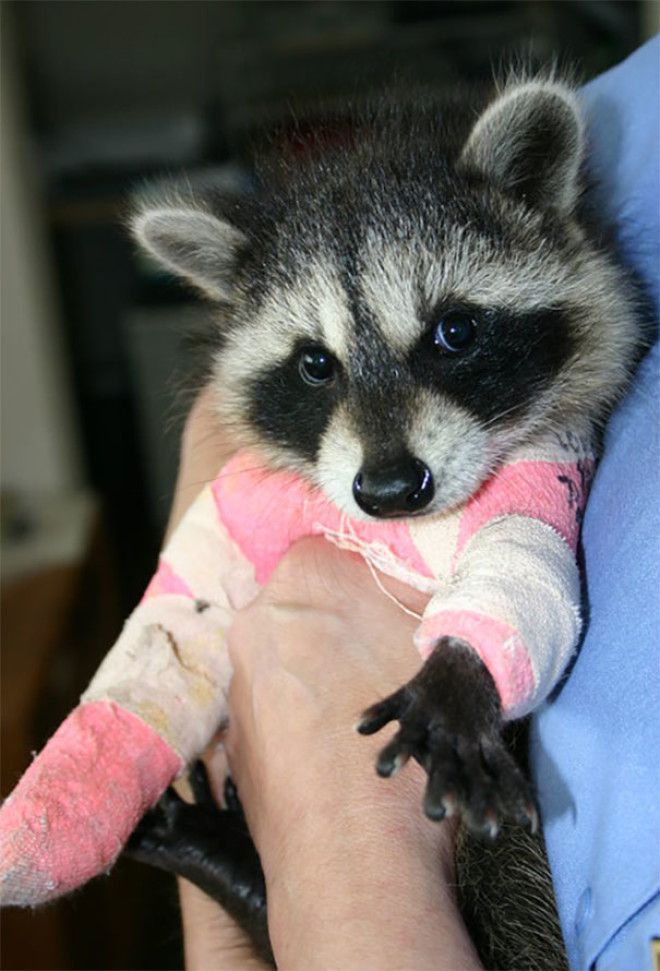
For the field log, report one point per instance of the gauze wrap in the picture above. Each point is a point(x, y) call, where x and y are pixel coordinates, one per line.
point(499, 572)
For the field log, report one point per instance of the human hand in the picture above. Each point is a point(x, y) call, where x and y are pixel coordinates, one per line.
point(307, 654)
point(339, 847)
point(375, 657)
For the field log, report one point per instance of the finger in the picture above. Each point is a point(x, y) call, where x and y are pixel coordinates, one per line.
point(200, 785)
point(374, 718)
point(232, 801)
point(514, 794)
point(406, 742)
point(444, 789)
point(482, 809)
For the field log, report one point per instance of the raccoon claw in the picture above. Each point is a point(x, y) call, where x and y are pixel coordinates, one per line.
point(486, 789)
point(518, 804)
point(232, 802)
point(450, 721)
point(198, 778)
point(201, 788)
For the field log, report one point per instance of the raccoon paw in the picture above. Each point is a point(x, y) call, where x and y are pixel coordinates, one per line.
point(212, 848)
point(451, 723)
point(162, 830)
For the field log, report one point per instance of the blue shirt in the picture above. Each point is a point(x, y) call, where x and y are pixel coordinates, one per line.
point(596, 744)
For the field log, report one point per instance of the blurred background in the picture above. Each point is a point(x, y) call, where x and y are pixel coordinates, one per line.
point(98, 97)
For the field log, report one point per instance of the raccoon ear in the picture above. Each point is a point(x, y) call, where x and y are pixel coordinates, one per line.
point(530, 142)
point(191, 243)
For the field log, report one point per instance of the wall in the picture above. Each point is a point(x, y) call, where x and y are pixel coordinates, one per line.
point(39, 447)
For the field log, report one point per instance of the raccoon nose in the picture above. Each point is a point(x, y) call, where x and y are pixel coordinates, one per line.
point(398, 489)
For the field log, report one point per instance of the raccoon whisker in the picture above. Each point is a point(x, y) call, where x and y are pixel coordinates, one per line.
point(500, 415)
point(199, 483)
point(205, 439)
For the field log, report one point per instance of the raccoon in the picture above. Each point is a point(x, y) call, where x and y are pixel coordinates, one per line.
point(397, 316)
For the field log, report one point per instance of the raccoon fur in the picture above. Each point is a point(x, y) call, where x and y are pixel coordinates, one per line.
point(395, 315)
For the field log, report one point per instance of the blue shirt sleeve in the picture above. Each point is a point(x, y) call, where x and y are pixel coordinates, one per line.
point(596, 745)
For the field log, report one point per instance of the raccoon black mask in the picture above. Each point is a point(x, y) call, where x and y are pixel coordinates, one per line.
point(397, 315)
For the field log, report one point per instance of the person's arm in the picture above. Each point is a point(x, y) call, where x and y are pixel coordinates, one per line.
point(211, 938)
point(355, 873)
point(608, 768)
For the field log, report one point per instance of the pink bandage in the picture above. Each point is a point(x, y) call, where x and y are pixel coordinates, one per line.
point(165, 580)
point(498, 645)
point(72, 812)
point(552, 492)
point(266, 512)
point(499, 573)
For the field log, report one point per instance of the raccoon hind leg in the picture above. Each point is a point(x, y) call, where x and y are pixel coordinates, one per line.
point(212, 848)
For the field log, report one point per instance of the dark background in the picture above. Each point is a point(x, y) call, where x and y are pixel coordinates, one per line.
point(101, 97)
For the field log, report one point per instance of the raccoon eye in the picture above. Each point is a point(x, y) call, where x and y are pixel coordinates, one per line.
point(454, 332)
point(316, 366)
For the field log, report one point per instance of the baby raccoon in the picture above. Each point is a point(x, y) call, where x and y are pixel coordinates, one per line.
point(402, 319)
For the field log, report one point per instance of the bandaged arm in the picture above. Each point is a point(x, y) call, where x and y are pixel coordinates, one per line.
point(153, 706)
point(515, 598)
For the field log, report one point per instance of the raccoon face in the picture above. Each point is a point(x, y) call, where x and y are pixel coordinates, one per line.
point(398, 319)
